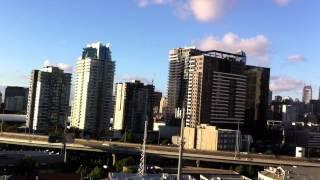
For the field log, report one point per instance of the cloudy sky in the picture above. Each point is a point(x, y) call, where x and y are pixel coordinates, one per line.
point(281, 34)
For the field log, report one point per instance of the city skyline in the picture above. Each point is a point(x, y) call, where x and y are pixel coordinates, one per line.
point(48, 43)
point(169, 89)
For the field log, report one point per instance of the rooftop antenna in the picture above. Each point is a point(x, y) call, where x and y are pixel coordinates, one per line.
point(142, 165)
point(154, 76)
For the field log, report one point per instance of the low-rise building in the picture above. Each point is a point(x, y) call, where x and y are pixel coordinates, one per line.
point(19, 119)
point(189, 137)
point(15, 104)
point(190, 173)
point(289, 173)
point(124, 176)
point(209, 138)
point(224, 177)
point(16, 99)
point(272, 174)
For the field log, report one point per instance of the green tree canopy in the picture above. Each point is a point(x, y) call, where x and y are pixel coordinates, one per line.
point(96, 172)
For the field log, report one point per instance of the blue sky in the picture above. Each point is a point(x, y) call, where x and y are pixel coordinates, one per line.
point(281, 34)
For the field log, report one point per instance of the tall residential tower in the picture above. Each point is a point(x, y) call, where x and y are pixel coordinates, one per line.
point(179, 59)
point(92, 104)
point(216, 92)
point(133, 106)
point(48, 99)
point(258, 100)
point(307, 94)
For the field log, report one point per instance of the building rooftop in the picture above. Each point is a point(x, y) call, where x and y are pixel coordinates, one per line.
point(273, 175)
point(124, 176)
point(292, 173)
point(223, 176)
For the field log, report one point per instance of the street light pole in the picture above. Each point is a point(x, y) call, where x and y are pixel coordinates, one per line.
point(180, 114)
point(2, 119)
point(236, 149)
point(159, 136)
point(65, 141)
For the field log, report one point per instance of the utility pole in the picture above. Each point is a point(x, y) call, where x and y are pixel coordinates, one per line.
point(65, 141)
point(2, 119)
point(159, 136)
point(180, 115)
point(236, 149)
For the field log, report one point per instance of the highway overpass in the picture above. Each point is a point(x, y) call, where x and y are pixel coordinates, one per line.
point(156, 150)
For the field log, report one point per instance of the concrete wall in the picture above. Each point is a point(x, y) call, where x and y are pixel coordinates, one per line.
point(207, 138)
point(189, 135)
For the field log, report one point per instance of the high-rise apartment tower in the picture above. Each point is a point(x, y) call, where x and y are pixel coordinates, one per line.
point(179, 60)
point(133, 106)
point(307, 94)
point(216, 92)
point(48, 99)
point(92, 104)
point(258, 97)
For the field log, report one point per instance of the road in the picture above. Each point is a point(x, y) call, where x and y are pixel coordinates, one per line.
point(156, 150)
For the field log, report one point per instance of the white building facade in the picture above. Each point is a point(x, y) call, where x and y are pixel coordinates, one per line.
point(92, 104)
point(307, 94)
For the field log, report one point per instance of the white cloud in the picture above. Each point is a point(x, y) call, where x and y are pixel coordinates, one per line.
point(208, 10)
point(162, 1)
point(285, 84)
point(257, 48)
point(282, 2)
point(202, 10)
point(296, 58)
point(67, 68)
point(145, 3)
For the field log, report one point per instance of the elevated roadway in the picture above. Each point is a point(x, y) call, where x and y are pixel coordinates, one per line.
point(156, 150)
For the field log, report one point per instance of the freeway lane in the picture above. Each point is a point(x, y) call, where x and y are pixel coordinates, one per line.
point(156, 150)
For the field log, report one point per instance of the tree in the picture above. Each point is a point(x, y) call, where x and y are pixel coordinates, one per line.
point(74, 130)
point(251, 172)
point(4, 126)
point(96, 172)
point(123, 162)
point(164, 142)
point(55, 131)
point(82, 170)
point(131, 170)
point(240, 169)
point(13, 128)
point(127, 137)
